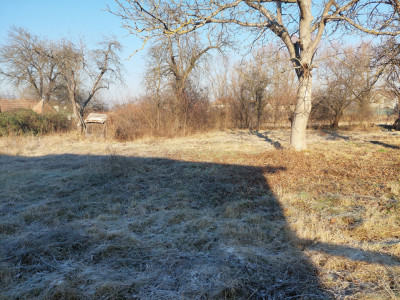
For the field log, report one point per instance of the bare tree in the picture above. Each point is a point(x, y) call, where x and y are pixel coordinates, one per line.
point(26, 63)
point(173, 59)
point(70, 61)
point(387, 57)
point(283, 88)
point(102, 68)
point(256, 90)
point(241, 102)
point(156, 80)
point(286, 19)
point(87, 72)
point(251, 85)
point(347, 80)
point(257, 81)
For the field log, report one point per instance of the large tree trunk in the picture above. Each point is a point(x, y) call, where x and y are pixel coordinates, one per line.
point(80, 124)
point(74, 107)
point(259, 113)
point(301, 113)
point(336, 119)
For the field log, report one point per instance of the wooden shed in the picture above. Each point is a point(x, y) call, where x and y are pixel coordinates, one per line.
point(96, 125)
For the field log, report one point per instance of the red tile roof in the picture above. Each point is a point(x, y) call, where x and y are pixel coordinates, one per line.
point(15, 104)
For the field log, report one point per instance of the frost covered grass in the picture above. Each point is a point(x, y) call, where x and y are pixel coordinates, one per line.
point(223, 215)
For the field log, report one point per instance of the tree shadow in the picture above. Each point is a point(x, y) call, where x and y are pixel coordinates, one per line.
point(387, 127)
point(88, 226)
point(353, 253)
point(384, 145)
point(334, 135)
point(276, 144)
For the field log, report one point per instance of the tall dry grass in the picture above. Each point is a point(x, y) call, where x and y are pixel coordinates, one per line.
point(133, 121)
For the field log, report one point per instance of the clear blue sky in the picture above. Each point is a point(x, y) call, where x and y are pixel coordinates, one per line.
point(73, 19)
point(55, 19)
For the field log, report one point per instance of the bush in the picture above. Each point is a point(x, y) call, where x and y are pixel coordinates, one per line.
point(136, 120)
point(128, 123)
point(28, 122)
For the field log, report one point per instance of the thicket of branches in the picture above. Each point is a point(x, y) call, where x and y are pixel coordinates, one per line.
point(256, 92)
point(192, 83)
point(299, 26)
point(64, 71)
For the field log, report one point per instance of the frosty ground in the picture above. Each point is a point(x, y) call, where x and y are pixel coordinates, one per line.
point(227, 214)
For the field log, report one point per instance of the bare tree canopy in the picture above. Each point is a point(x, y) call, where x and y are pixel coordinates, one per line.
point(26, 64)
point(298, 24)
point(347, 81)
point(90, 70)
point(49, 69)
point(171, 62)
point(387, 57)
point(251, 88)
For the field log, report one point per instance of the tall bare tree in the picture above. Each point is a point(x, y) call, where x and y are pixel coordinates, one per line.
point(87, 72)
point(48, 68)
point(253, 77)
point(103, 68)
point(156, 80)
point(348, 79)
point(26, 64)
point(173, 59)
point(70, 61)
point(291, 21)
point(387, 57)
point(283, 87)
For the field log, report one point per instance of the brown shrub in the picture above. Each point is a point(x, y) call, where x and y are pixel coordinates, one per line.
point(136, 120)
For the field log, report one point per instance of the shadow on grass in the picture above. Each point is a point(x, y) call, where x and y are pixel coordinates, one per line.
point(353, 253)
point(265, 137)
point(334, 135)
point(384, 145)
point(388, 127)
point(113, 227)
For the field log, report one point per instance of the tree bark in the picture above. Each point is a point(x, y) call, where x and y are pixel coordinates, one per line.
point(301, 113)
point(336, 119)
point(80, 125)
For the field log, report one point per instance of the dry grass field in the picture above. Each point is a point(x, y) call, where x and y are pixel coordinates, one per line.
point(223, 215)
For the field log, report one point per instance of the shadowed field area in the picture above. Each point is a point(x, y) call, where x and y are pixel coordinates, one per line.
point(211, 217)
point(130, 226)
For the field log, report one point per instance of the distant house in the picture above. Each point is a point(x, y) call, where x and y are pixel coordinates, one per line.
point(221, 103)
point(40, 107)
point(384, 102)
point(43, 107)
point(16, 104)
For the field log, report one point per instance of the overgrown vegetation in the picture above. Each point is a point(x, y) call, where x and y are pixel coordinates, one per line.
point(220, 215)
point(64, 71)
point(137, 120)
point(29, 122)
point(300, 27)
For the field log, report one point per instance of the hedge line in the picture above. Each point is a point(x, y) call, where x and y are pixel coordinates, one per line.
point(25, 122)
